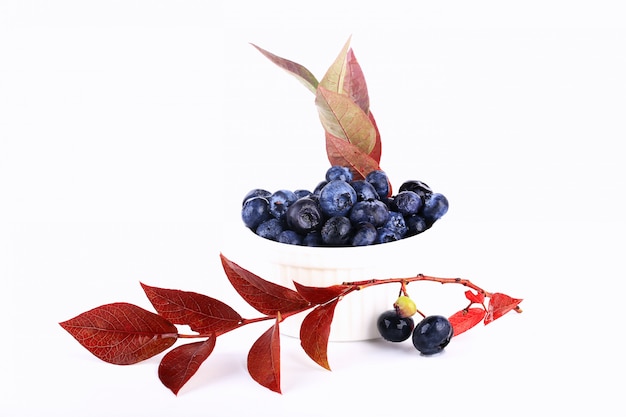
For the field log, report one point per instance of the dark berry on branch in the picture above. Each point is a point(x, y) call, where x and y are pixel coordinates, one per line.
point(394, 328)
point(432, 334)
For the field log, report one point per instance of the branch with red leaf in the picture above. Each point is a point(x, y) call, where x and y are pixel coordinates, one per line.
point(124, 334)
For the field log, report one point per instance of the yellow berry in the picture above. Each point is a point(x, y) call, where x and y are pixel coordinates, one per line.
point(405, 306)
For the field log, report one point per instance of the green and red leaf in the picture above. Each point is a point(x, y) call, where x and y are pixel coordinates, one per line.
point(315, 332)
point(201, 313)
point(181, 363)
point(499, 305)
point(264, 358)
point(122, 333)
point(341, 152)
point(301, 73)
point(335, 75)
point(342, 100)
point(465, 319)
point(266, 297)
point(342, 118)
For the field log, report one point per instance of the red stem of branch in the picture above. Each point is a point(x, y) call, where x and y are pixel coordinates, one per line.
point(360, 285)
point(419, 277)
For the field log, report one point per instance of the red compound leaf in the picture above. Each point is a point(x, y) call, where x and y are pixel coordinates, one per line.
point(181, 363)
point(499, 305)
point(264, 358)
point(203, 314)
point(465, 319)
point(315, 331)
point(266, 297)
point(122, 333)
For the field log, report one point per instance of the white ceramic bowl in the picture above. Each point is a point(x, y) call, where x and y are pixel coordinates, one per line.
point(355, 315)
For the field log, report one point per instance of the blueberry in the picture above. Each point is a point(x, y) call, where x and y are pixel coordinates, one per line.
point(255, 211)
point(337, 198)
point(304, 216)
point(336, 231)
point(418, 187)
point(364, 235)
point(390, 202)
point(380, 182)
point(314, 197)
point(432, 334)
point(386, 235)
point(369, 211)
point(302, 193)
point(313, 239)
point(407, 202)
point(257, 192)
point(364, 190)
point(280, 201)
point(416, 224)
point(318, 188)
point(270, 229)
point(397, 223)
point(435, 206)
point(394, 328)
point(337, 172)
point(289, 237)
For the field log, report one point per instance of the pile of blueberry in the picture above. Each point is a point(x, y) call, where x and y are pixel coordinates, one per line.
point(341, 211)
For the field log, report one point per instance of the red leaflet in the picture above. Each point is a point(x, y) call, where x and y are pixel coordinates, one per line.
point(354, 82)
point(320, 295)
point(203, 314)
point(315, 331)
point(122, 333)
point(181, 363)
point(465, 319)
point(342, 152)
point(477, 298)
point(264, 358)
point(499, 305)
point(267, 297)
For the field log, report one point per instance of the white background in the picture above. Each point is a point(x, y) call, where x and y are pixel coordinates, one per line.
point(130, 130)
